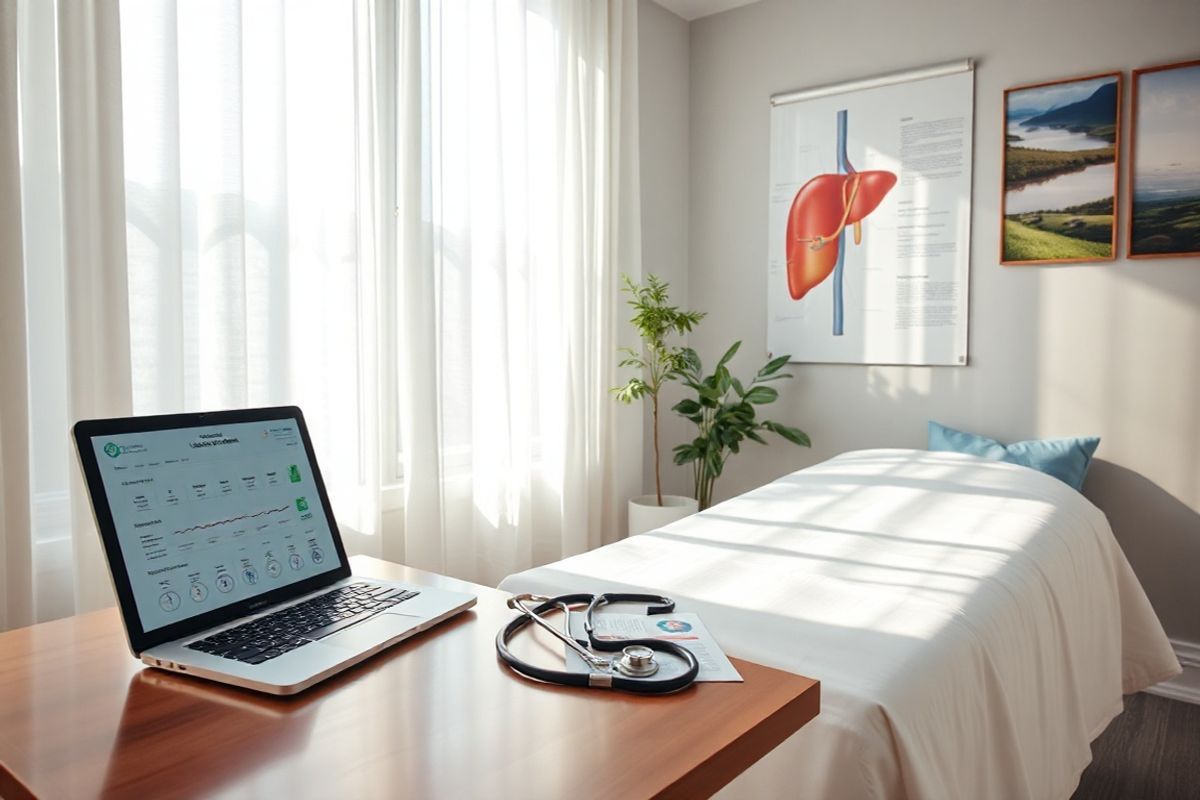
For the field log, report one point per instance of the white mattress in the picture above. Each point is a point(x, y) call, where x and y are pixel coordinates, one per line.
point(973, 623)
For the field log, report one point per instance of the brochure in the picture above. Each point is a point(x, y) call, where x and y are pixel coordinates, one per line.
point(683, 629)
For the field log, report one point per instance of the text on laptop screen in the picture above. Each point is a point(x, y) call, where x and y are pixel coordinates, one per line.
point(212, 515)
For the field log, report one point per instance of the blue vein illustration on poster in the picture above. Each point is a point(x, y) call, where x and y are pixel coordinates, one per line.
point(870, 216)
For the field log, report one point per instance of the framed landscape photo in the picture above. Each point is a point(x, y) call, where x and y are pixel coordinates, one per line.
point(1164, 171)
point(1062, 143)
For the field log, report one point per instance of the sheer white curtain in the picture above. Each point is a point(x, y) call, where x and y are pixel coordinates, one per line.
point(16, 554)
point(252, 201)
point(519, 208)
point(208, 217)
point(190, 222)
point(64, 262)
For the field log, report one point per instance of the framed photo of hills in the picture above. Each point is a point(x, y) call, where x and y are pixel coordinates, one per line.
point(1061, 151)
point(1164, 166)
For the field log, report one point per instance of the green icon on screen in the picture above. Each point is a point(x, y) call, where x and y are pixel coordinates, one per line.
point(301, 504)
point(112, 450)
point(294, 473)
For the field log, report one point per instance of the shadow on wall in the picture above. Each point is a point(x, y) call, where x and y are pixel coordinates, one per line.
point(1158, 533)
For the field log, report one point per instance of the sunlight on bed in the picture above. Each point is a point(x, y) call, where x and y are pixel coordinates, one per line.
point(903, 552)
point(949, 605)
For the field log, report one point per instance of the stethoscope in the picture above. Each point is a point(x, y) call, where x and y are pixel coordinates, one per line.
point(632, 671)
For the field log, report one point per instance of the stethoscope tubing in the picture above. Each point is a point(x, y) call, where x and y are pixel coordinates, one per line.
point(658, 605)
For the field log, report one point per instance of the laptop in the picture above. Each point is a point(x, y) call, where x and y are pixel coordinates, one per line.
point(225, 555)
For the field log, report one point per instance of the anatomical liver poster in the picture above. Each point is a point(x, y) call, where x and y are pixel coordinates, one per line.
point(870, 218)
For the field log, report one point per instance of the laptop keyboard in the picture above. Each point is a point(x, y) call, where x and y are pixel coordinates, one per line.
point(281, 632)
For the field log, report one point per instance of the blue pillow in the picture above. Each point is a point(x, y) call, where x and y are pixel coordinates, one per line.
point(1066, 459)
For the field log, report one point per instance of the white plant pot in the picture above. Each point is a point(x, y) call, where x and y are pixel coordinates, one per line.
point(645, 514)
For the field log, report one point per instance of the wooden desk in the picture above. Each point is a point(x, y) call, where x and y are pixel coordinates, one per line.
point(436, 716)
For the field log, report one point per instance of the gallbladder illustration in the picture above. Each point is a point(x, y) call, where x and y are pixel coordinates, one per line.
point(821, 211)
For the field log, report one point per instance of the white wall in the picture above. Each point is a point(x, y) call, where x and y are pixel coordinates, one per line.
point(1110, 349)
point(663, 110)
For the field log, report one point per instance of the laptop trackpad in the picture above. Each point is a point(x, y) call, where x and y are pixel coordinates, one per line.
point(371, 632)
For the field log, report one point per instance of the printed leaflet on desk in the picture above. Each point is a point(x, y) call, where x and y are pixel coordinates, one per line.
point(683, 629)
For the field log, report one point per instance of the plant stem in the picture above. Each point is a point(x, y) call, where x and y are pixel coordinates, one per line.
point(657, 467)
point(702, 478)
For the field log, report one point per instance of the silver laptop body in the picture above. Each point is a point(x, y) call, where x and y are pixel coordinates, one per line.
point(225, 556)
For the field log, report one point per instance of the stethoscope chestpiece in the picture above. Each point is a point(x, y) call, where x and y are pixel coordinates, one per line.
point(637, 661)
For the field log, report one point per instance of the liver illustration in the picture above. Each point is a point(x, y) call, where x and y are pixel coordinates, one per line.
point(816, 220)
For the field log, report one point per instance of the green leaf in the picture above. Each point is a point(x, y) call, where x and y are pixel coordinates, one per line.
point(773, 366)
point(685, 454)
point(634, 390)
point(796, 436)
point(761, 395)
point(729, 354)
point(686, 320)
point(686, 407)
point(793, 435)
point(723, 380)
point(709, 397)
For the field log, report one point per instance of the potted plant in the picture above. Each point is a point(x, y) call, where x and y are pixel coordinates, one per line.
point(724, 411)
point(657, 362)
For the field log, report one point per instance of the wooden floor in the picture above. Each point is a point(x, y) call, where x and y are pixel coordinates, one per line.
point(1150, 751)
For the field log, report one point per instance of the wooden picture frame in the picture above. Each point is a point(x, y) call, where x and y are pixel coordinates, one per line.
point(1155, 237)
point(1058, 220)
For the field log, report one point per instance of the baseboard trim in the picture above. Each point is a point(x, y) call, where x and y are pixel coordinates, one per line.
point(1185, 686)
point(1187, 652)
point(1170, 691)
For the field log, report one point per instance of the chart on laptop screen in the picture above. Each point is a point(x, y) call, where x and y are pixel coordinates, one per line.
point(212, 515)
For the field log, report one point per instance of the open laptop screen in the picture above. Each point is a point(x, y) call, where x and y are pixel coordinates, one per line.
point(213, 515)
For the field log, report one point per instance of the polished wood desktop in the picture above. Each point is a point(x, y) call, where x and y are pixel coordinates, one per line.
point(436, 716)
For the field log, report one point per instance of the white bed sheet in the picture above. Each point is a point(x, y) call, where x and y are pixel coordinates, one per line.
point(973, 623)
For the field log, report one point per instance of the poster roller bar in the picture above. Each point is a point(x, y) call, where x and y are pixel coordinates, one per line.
point(920, 74)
